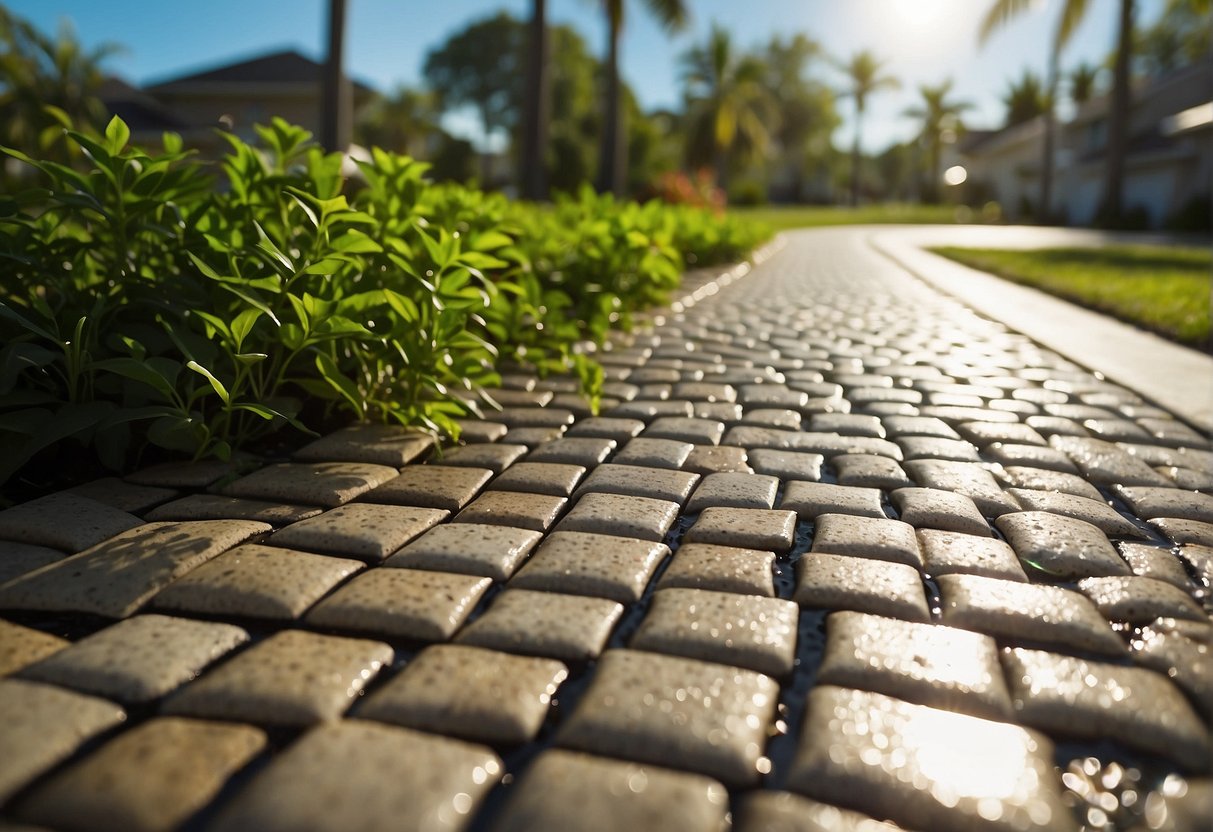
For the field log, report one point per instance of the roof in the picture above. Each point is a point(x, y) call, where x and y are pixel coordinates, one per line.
point(287, 67)
point(140, 111)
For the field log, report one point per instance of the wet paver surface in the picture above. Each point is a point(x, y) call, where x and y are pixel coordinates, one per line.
point(838, 552)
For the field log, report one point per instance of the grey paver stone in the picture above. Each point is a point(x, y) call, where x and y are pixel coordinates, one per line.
point(567, 790)
point(960, 415)
point(257, 582)
point(17, 559)
point(934, 447)
point(326, 484)
point(534, 417)
point(362, 530)
point(64, 521)
point(476, 431)
point(567, 627)
point(648, 408)
point(639, 481)
point(532, 437)
point(218, 507)
point(1152, 503)
point(743, 630)
point(772, 811)
point(43, 725)
point(495, 456)
point(705, 391)
point(392, 445)
point(946, 553)
point(1096, 512)
point(966, 478)
point(1181, 531)
point(1150, 561)
point(1182, 652)
point(518, 509)
point(725, 412)
point(990, 433)
point(540, 478)
point(1030, 456)
point(746, 528)
point(1051, 426)
point(868, 471)
point(198, 474)
point(927, 664)
point(717, 459)
point(21, 646)
point(507, 397)
point(404, 603)
point(470, 548)
point(902, 762)
point(721, 568)
point(605, 427)
point(332, 780)
point(1061, 546)
point(867, 537)
point(151, 778)
point(847, 424)
point(115, 578)
point(898, 426)
point(1201, 559)
point(773, 417)
point(1095, 700)
point(1187, 478)
point(622, 515)
point(1104, 463)
point(1016, 611)
point(654, 453)
point(841, 582)
point(1139, 600)
point(291, 678)
point(1040, 479)
point(601, 565)
point(931, 508)
point(711, 718)
point(734, 491)
point(827, 444)
point(810, 499)
point(469, 692)
point(683, 429)
point(449, 487)
point(124, 496)
point(787, 465)
point(586, 451)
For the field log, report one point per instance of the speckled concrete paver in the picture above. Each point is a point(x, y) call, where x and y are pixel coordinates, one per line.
point(838, 553)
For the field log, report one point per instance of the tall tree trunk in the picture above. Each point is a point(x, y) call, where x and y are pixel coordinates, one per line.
point(855, 160)
point(1118, 121)
point(535, 126)
point(1048, 152)
point(611, 159)
point(486, 155)
point(337, 112)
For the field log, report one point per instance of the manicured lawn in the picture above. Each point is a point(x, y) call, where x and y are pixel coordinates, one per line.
point(1165, 289)
point(780, 217)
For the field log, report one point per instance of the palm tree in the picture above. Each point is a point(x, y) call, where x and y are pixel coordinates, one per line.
point(1025, 99)
point(337, 104)
point(1082, 82)
point(612, 161)
point(864, 74)
point(939, 116)
point(806, 107)
point(728, 105)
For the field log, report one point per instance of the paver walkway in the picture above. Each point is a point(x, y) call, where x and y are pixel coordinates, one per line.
point(838, 550)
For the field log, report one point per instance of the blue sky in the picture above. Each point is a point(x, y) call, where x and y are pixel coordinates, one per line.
point(923, 41)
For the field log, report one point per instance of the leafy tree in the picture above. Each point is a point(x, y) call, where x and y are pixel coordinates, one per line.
point(806, 107)
point(1180, 37)
point(1025, 99)
point(939, 116)
point(1082, 82)
point(864, 73)
point(407, 121)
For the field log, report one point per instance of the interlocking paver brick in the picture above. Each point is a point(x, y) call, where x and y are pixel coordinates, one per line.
point(775, 811)
point(291, 678)
point(470, 548)
point(1187, 478)
point(705, 391)
point(17, 559)
point(362, 530)
point(1104, 463)
point(328, 484)
point(827, 444)
point(720, 568)
point(1051, 426)
point(734, 491)
point(331, 780)
point(152, 778)
point(746, 528)
point(947, 552)
point(532, 438)
point(378, 444)
point(787, 465)
point(182, 474)
point(1039, 479)
point(1152, 503)
point(772, 417)
point(507, 397)
point(218, 507)
point(605, 427)
point(847, 424)
point(1149, 561)
point(446, 487)
point(931, 508)
point(810, 499)
point(712, 719)
point(1096, 512)
point(867, 537)
point(513, 508)
point(405, 603)
point(1181, 531)
point(601, 565)
point(496, 456)
point(621, 515)
point(1002, 778)
point(639, 481)
point(724, 412)
point(899, 426)
point(124, 496)
point(64, 521)
point(966, 478)
point(1061, 546)
point(683, 429)
point(469, 692)
point(572, 628)
point(934, 447)
point(867, 471)
point(475, 431)
point(717, 459)
point(1181, 652)
point(654, 453)
point(534, 417)
point(1030, 456)
point(22, 646)
point(992, 433)
point(586, 451)
point(256, 581)
point(840, 582)
point(540, 478)
point(1139, 600)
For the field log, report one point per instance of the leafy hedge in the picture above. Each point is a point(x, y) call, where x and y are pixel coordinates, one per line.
point(152, 300)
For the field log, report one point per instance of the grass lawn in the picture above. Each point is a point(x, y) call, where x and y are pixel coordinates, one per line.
point(780, 217)
point(1164, 289)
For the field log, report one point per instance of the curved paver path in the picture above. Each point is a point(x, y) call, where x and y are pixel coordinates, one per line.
point(838, 547)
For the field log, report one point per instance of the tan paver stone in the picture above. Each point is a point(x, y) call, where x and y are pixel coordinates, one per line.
point(717, 459)
point(1184, 532)
point(787, 465)
point(326, 484)
point(139, 659)
point(124, 496)
point(743, 630)
point(64, 521)
point(540, 478)
point(930, 508)
point(469, 692)
point(648, 408)
point(734, 491)
point(810, 499)
point(513, 508)
point(927, 664)
point(1030, 456)
point(1140, 600)
point(771, 811)
point(291, 678)
point(827, 444)
point(1015, 611)
point(721, 568)
point(19, 558)
point(115, 578)
point(654, 453)
point(710, 718)
point(746, 528)
point(361, 530)
point(868, 471)
point(572, 628)
point(446, 487)
point(1148, 561)
point(952, 413)
point(1104, 463)
point(898, 426)
point(1062, 546)
point(151, 778)
point(1051, 426)
point(218, 507)
point(987, 433)
point(773, 417)
point(1182, 652)
point(903, 762)
point(867, 537)
point(43, 725)
point(1039, 479)
point(622, 515)
point(933, 447)
point(256, 581)
point(1152, 503)
point(469, 548)
point(1201, 559)
point(847, 424)
point(1094, 700)
point(1096, 512)
point(21, 646)
point(683, 429)
point(404, 603)
point(198, 474)
point(392, 445)
point(840, 582)
point(1188, 479)
point(605, 427)
point(586, 451)
point(496, 457)
point(565, 790)
point(476, 432)
point(946, 553)
point(363, 775)
point(639, 481)
point(966, 478)
point(602, 565)
point(724, 412)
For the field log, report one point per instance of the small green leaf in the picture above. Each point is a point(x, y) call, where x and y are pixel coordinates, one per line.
point(215, 383)
point(117, 134)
